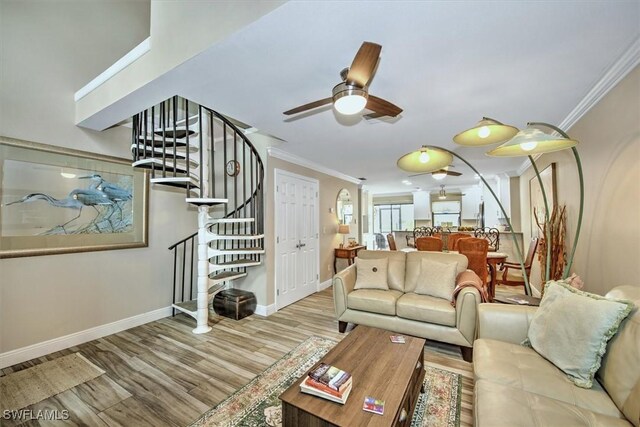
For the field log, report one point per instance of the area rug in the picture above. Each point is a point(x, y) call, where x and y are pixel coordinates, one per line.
point(32, 385)
point(257, 404)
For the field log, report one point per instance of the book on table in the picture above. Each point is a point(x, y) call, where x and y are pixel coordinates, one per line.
point(373, 405)
point(331, 376)
point(310, 386)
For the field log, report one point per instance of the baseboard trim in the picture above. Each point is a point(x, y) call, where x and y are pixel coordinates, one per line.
point(23, 354)
point(265, 310)
point(324, 285)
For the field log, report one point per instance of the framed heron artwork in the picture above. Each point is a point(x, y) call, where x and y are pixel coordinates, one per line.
point(55, 200)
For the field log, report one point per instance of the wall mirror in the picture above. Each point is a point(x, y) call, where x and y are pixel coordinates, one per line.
point(344, 207)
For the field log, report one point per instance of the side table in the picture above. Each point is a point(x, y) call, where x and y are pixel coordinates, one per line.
point(349, 254)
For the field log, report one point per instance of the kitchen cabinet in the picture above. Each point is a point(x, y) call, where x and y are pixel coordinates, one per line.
point(471, 202)
point(421, 205)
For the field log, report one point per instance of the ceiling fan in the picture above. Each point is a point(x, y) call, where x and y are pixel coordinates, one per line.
point(351, 95)
point(440, 173)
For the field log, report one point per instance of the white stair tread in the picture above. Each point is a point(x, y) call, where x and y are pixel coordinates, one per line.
point(234, 251)
point(181, 163)
point(215, 288)
point(181, 153)
point(188, 307)
point(168, 141)
point(217, 236)
point(232, 220)
point(226, 275)
point(178, 181)
point(242, 262)
point(205, 201)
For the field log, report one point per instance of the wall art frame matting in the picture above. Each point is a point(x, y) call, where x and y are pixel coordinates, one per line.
point(55, 200)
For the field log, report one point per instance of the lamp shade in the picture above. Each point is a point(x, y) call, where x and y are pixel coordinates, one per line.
point(486, 132)
point(532, 141)
point(425, 160)
point(343, 229)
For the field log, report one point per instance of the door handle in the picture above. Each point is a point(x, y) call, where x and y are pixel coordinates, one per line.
point(300, 244)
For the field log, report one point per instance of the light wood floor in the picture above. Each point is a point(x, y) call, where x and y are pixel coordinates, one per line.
point(160, 374)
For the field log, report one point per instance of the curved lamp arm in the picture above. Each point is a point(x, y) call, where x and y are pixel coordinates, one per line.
point(527, 287)
point(567, 268)
point(547, 270)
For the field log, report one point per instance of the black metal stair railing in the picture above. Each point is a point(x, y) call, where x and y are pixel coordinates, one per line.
point(164, 141)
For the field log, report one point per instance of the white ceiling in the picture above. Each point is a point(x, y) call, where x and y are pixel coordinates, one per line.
point(445, 63)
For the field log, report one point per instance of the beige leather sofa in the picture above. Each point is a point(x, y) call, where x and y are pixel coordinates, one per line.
point(516, 386)
point(401, 310)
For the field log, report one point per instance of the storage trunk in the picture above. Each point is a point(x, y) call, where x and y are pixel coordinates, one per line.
point(234, 303)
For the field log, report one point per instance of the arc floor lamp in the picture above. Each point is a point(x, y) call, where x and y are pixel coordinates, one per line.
point(528, 142)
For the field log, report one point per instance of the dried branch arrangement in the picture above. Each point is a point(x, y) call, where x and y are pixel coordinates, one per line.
point(557, 226)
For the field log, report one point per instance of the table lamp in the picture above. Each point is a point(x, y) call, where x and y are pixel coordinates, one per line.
point(344, 230)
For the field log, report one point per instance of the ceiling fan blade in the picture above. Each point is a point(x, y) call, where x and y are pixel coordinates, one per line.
point(364, 64)
point(373, 116)
point(419, 174)
point(453, 173)
point(382, 107)
point(309, 106)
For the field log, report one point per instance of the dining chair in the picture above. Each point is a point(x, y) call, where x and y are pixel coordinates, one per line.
point(452, 243)
point(380, 242)
point(429, 244)
point(511, 271)
point(475, 249)
point(422, 232)
point(410, 241)
point(491, 234)
point(392, 242)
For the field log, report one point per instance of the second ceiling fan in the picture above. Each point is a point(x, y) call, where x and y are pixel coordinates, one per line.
point(351, 95)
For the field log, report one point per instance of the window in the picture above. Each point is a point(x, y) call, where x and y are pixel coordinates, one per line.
point(388, 218)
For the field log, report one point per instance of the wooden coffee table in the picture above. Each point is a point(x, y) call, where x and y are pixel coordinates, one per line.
point(380, 369)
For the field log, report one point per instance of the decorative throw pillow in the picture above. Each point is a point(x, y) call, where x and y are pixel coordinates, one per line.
point(436, 279)
point(571, 329)
point(371, 273)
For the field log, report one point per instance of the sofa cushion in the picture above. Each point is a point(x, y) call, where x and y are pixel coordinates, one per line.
point(374, 301)
point(620, 370)
point(371, 273)
point(523, 369)
point(395, 269)
point(498, 405)
point(426, 308)
point(436, 279)
point(571, 329)
point(414, 264)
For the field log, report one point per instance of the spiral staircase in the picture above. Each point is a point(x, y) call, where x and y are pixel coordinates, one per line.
point(187, 145)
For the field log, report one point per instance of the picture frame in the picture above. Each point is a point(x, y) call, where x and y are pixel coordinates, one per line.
point(55, 200)
point(536, 203)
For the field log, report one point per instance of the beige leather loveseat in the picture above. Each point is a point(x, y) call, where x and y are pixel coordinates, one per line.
point(401, 310)
point(516, 386)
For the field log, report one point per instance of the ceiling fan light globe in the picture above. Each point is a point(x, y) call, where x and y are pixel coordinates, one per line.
point(439, 175)
point(349, 99)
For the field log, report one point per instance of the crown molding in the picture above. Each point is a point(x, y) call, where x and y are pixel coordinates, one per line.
point(301, 161)
point(629, 59)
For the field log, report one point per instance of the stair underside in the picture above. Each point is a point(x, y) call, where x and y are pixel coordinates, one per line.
point(169, 165)
point(234, 251)
point(156, 152)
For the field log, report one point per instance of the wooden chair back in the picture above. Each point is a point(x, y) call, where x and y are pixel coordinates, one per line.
point(491, 234)
point(392, 242)
point(531, 252)
point(452, 242)
point(475, 249)
point(516, 279)
point(429, 244)
point(422, 232)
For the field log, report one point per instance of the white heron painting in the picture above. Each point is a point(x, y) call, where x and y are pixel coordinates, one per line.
point(51, 200)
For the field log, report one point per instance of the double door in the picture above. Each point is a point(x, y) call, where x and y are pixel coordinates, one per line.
point(296, 209)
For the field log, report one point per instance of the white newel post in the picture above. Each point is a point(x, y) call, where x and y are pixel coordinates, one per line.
point(202, 315)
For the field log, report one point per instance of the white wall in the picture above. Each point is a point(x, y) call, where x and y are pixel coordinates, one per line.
point(608, 251)
point(48, 51)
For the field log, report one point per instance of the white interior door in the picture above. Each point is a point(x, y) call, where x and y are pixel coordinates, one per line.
point(296, 209)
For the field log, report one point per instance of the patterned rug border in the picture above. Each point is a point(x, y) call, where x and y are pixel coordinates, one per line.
point(201, 421)
point(440, 406)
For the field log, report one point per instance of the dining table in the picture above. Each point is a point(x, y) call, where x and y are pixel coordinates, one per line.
point(494, 261)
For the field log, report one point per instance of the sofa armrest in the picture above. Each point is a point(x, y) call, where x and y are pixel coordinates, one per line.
point(343, 283)
point(504, 322)
point(467, 302)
